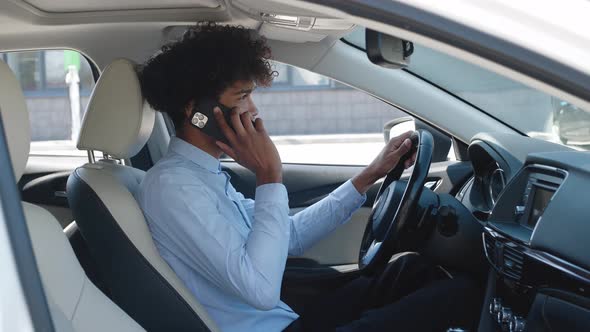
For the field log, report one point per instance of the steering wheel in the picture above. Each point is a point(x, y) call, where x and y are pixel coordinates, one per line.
point(389, 222)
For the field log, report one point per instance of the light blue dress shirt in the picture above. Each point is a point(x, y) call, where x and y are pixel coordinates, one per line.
point(228, 250)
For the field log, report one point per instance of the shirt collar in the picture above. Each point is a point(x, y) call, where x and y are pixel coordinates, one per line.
point(194, 154)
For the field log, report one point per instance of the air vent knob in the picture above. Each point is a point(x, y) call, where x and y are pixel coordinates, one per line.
point(517, 324)
point(495, 306)
point(505, 316)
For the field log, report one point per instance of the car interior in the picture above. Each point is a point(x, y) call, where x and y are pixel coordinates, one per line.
point(487, 198)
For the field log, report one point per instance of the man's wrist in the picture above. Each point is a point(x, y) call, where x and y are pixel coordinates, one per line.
point(263, 177)
point(364, 180)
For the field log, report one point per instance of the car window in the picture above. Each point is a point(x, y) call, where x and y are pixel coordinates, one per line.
point(525, 109)
point(315, 120)
point(57, 85)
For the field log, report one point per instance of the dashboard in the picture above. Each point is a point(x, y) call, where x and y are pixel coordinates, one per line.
point(531, 198)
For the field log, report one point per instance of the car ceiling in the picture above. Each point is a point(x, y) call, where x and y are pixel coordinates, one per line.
point(135, 29)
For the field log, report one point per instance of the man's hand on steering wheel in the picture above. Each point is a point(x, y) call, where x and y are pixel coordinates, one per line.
point(387, 159)
point(393, 216)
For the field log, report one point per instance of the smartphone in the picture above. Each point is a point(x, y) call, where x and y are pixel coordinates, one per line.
point(202, 117)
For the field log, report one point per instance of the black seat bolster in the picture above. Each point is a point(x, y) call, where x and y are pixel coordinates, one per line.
point(133, 283)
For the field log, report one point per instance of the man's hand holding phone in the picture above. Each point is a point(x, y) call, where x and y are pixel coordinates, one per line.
point(250, 146)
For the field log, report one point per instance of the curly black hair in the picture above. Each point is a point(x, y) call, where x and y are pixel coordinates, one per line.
point(203, 63)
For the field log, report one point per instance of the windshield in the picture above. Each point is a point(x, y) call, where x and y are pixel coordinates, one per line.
point(527, 110)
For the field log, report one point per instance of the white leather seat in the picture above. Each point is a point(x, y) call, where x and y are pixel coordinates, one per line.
point(75, 304)
point(101, 196)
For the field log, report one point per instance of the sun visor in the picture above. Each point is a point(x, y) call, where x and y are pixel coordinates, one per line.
point(279, 23)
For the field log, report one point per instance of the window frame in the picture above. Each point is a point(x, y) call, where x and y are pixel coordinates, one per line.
point(289, 84)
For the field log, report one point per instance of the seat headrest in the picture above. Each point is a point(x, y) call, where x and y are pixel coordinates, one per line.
point(117, 121)
point(15, 118)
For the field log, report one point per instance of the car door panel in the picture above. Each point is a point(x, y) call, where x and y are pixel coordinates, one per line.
point(342, 245)
point(48, 191)
point(306, 184)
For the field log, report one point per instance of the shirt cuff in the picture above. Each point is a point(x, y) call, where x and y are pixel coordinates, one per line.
point(271, 192)
point(349, 196)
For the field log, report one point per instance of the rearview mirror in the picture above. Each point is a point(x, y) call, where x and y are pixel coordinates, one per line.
point(387, 51)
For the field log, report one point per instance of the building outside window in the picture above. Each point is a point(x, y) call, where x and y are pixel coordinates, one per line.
point(42, 75)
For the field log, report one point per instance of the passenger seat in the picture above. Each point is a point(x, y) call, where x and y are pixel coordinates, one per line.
point(75, 304)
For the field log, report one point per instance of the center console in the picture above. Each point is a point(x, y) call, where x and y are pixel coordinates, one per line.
point(526, 273)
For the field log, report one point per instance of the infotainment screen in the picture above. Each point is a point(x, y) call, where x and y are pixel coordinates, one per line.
point(541, 198)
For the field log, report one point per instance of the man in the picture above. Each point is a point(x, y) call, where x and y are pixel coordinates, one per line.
point(228, 250)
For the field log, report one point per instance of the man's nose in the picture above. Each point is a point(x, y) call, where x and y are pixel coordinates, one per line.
point(252, 107)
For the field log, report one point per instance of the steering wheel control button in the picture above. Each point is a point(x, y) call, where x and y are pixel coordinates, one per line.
point(199, 120)
point(519, 210)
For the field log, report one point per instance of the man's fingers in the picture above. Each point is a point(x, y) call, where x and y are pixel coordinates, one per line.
point(236, 122)
point(223, 125)
point(410, 161)
point(259, 125)
point(246, 118)
point(395, 142)
point(226, 149)
point(403, 148)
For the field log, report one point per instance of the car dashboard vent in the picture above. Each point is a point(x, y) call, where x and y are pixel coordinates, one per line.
point(490, 247)
point(506, 257)
point(512, 262)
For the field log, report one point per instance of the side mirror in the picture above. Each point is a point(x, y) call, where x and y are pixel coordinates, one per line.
point(442, 141)
point(398, 126)
point(387, 51)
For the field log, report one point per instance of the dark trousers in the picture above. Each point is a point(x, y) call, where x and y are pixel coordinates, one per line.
point(409, 296)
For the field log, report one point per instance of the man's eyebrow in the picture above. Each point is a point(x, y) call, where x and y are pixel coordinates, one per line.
point(245, 90)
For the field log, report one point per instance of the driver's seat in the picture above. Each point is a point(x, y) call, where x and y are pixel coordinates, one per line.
point(101, 195)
